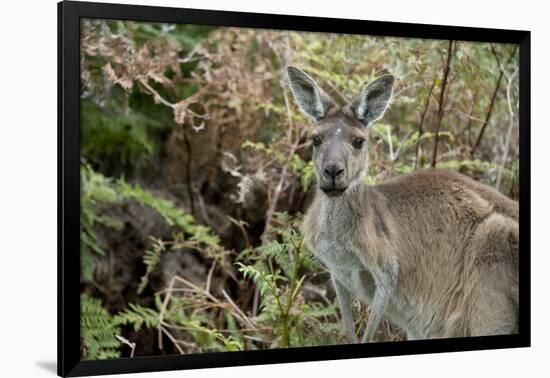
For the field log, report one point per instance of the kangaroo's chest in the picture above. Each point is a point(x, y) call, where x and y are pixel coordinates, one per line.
point(344, 265)
point(333, 230)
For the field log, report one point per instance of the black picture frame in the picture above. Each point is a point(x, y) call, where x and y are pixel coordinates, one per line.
point(69, 15)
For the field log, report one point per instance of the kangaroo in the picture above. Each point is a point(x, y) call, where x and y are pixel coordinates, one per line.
point(434, 251)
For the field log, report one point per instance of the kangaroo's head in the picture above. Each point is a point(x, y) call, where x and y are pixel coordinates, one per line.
point(340, 156)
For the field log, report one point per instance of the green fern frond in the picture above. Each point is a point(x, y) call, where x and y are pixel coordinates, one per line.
point(173, 215)
point(97, 330)
point(95, 189)
point(98, 189)
point(280, 253)
point(150, 258)
point(137, 316)
point(266, 282)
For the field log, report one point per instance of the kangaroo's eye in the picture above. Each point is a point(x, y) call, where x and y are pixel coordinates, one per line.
point(316, 141)
point(358, 143)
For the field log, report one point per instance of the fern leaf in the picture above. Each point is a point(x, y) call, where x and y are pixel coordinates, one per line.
point(97, 330)
point(137, 316)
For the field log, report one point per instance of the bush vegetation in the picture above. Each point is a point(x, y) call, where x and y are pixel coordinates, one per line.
point(196, 172)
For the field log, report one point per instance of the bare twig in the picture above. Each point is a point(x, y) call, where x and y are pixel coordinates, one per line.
point(468, 117)
point(421, 125)
point(196, 288)
point(335, 91)
point(155, 94)
point(441, 109)
point(209, 278)
point(472, 118)
point(390, 142)
point(399, 151)
point(163, 310)
point(215, 302)
point(257, 339)
point(238, 310)
point(172, 338)
point(510, 128)
point(202, 208)
point(493, 98)
point(127, 342)
point(240, 224)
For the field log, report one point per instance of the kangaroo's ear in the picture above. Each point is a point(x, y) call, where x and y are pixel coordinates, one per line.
point(373, 100)
point(309, 97)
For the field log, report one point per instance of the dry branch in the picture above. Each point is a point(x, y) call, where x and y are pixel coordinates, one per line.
point(421, 125)
point(510, 128)
point(493, 98)
point(441, 109)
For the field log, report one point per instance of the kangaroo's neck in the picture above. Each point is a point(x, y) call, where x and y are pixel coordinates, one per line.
point(343, 209)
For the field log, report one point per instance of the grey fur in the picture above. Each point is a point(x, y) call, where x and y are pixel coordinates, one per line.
point(309, 97)
point(373, 100)
point(434, 251)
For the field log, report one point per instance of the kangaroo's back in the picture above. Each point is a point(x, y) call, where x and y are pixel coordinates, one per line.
point(456, 241)
point(435, 202)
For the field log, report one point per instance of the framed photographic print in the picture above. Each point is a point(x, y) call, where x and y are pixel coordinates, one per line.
point(239, 188)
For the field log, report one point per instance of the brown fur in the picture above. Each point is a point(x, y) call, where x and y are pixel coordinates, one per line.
point(456, 243)
point(435, 251)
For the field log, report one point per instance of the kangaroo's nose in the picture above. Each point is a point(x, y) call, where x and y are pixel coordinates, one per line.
point(333, 171)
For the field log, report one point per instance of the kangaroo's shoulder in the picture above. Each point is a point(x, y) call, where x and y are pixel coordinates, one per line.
point(441, 184)
point(426, 182)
